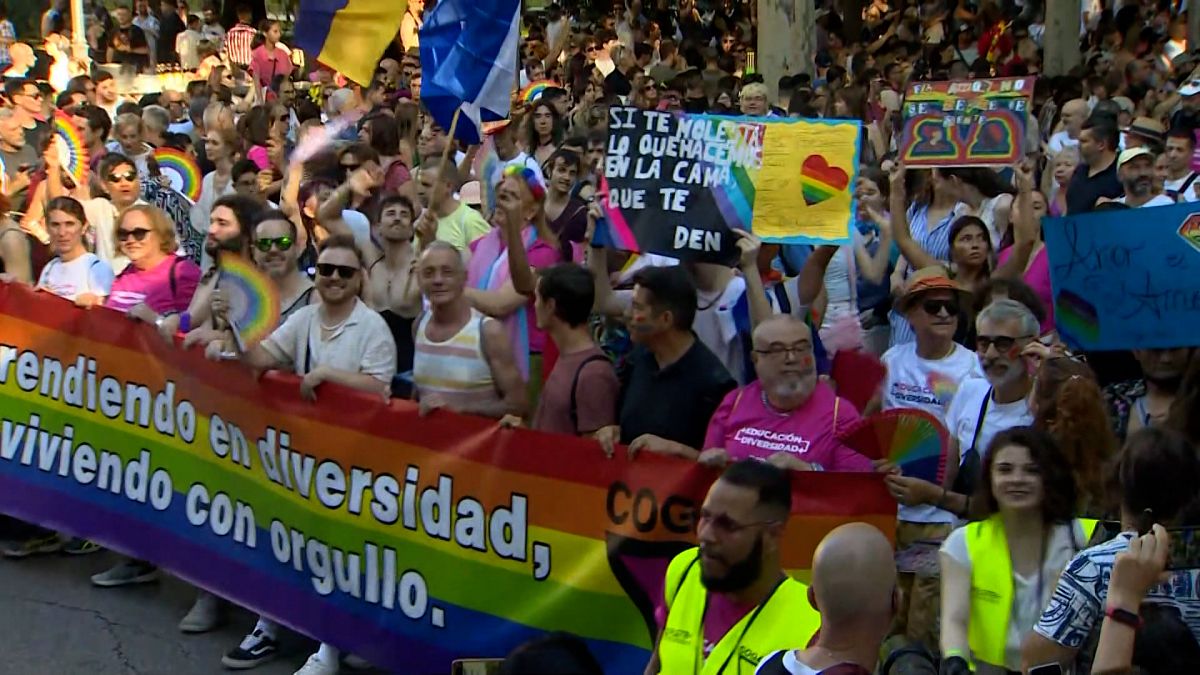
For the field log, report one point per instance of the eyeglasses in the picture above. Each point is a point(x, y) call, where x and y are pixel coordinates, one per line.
point(137, 234)
point(934, 307)
point(726, 525)
point(343, 271)
point(781, 351)
point(1002, 343)
point(281, 243)
point(128, 177)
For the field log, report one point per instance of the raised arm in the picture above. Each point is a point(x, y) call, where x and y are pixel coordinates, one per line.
point(812, 275)
point(749, 246)
point(606, 303)
point(1025, 227)
point(916, 256)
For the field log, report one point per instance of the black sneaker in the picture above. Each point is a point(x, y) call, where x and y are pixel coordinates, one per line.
point(256, 649)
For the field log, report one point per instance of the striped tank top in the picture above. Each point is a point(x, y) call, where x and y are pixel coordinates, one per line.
point(456, 369)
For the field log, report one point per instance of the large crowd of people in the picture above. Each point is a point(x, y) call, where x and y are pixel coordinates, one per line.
point(407, 268)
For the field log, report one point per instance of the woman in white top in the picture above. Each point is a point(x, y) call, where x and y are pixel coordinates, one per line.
point(1027, 533)
point(74, 273)
point(223, 149)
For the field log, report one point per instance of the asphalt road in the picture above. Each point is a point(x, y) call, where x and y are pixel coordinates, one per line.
point(54, 622)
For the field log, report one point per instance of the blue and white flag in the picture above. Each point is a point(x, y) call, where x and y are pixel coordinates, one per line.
point(469, 61)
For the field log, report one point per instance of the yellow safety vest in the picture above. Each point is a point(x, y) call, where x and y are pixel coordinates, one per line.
point(785, 620)
point(992, 587)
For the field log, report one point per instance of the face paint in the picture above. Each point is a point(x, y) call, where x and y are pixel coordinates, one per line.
point(808, 361)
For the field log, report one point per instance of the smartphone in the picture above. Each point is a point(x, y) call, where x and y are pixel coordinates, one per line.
point(1185, 548)
point(1047, 669)
point(475, 666)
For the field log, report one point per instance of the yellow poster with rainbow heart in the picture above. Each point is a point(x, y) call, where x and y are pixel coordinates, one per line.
point(804, 190)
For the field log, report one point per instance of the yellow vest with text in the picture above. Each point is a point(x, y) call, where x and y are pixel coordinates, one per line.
point(992, 586)
point(785, 621)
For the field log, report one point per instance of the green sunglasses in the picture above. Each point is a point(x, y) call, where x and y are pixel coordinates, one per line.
point(281, 243)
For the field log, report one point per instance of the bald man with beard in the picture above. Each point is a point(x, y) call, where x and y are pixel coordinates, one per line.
point(854, 589)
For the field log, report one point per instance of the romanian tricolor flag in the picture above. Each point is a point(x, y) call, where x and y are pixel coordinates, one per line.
point(348, 35)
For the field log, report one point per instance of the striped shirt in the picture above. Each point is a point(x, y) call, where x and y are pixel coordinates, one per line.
point(237, 44)
point(454, 369)
point(936, 242)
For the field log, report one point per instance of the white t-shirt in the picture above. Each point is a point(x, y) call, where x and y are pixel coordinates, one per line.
point(1157, 200)
point(963, 416)
point(1065, 541)
point(85, 274)
point(1176, 186)
point(790, 664)
point(362, 345)
point(914, 382)
point(1060, 141)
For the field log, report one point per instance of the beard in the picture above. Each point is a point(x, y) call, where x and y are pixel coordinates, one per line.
point(740, 575)
point(215, 247)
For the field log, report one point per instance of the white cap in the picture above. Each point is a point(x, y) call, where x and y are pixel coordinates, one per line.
point(1132, 154)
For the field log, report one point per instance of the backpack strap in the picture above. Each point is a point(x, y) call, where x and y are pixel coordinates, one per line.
point(574, 411)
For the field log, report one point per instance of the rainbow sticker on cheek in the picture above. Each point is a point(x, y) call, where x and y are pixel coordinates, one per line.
point(808, 361)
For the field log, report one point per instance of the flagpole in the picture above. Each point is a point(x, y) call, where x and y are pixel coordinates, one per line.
point(450, 143)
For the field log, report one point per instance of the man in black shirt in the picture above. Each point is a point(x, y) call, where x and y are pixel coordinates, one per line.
point(170, 24)
point(1096, 175)
point(127, 43)
point(672, 383)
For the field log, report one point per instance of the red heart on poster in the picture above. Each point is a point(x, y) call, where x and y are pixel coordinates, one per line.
point(817, 168)
point(826, 180)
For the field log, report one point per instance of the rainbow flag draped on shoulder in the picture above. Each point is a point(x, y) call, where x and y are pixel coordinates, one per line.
point(410, 541)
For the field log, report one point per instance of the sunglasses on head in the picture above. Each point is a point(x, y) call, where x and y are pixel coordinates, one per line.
point(265, 244)
point(137, 234)
point(129, 177)
point(343, 271)
point(934, 307)
point(1002, 343)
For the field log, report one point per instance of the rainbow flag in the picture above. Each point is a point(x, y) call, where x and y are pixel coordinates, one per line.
point(408, 540)
point(349, 35)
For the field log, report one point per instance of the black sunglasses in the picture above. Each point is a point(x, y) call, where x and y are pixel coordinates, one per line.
point(128, 176)
point(137, 234)
point(343, 271)
point(933, 307)
point(265, 244)
point(1002, 343)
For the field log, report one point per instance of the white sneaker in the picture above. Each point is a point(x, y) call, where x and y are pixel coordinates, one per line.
point(204, 615)
point(356, 662)
point(126, 572)
point(315, 665)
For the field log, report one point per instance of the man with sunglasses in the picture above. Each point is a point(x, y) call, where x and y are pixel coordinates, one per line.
point(26, 100)
point(120, 179)
point(924, 375)
point(728, 603)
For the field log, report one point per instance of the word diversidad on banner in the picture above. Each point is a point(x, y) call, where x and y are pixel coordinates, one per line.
point(677, 183)
point(409, 540)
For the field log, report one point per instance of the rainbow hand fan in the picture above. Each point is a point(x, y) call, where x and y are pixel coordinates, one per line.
point(912, 439)
point(252, 299)
point(535, 89)
point(181, 169)
point(72, 150)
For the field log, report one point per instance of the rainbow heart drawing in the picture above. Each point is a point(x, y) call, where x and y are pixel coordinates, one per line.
point(821, 182)
point(181, 169)
point(252, 298)
point(1077, 319)
point(1190, 231)
point(72, 150)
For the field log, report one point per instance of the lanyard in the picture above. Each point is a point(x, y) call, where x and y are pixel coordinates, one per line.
point(745, 629)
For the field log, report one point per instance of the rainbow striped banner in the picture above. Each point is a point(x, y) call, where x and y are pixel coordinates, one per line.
point(410, 541)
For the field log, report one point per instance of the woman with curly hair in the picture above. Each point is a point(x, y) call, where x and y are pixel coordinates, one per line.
point(1068, 404)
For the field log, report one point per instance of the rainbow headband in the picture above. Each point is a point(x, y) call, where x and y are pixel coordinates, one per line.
point(532, 181)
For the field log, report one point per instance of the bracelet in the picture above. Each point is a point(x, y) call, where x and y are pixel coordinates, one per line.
point(1124, 616)
point(185, 322)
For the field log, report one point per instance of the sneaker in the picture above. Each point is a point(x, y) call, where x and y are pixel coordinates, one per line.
point(79, 546)
point(356, 662)
point(125, 573)
point(204, 615)
point(256, 649)
point(315, 665)
point(40, 544)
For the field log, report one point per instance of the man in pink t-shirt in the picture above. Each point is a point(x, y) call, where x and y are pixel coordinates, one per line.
point(786, 417)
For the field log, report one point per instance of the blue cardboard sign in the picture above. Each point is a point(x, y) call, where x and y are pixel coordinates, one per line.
point(1126, 279)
